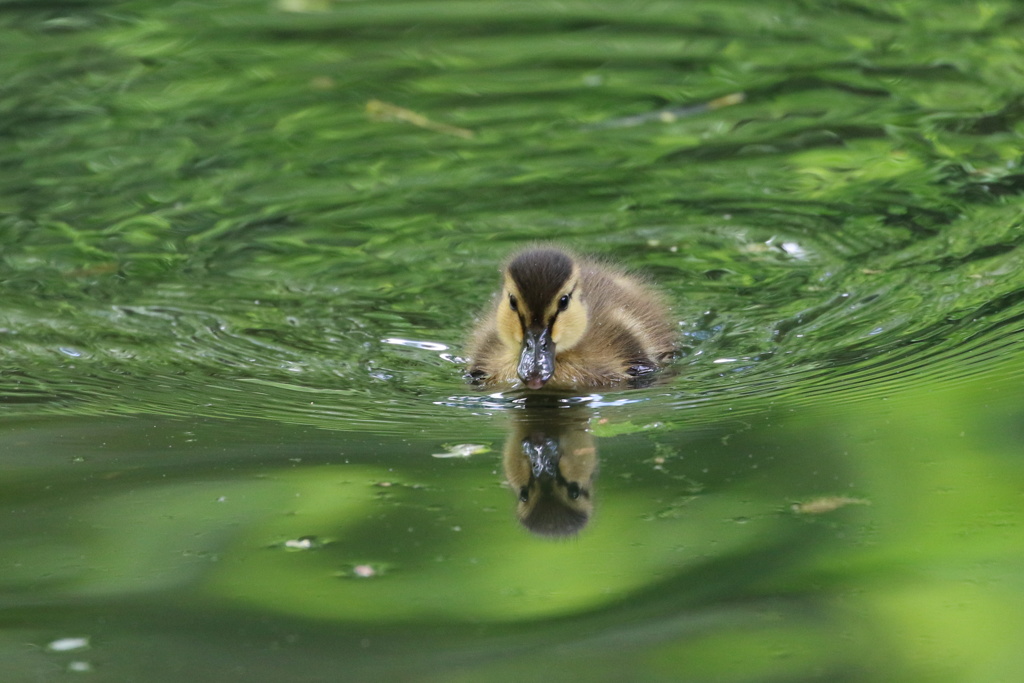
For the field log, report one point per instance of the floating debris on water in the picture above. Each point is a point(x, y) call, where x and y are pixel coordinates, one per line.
point(671, 114)
point(303, 543)
point(364, 570)
point(819, 506)
point(384, 111)
point(462, 450)
point(68, 644)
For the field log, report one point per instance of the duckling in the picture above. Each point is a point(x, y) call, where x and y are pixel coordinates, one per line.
point(566, 322)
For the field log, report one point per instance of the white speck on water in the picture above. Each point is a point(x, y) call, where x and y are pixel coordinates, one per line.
point(462, 450)
point(67, 644)
point(794, 249)
point(79, 666)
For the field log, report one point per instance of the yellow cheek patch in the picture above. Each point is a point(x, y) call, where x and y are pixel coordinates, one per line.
point(569, 326)
point(509, 327)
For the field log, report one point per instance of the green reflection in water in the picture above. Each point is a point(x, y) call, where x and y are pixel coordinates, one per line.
point(857, 540)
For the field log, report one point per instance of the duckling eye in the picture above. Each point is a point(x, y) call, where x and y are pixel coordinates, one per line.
point(573, 489)
point(512, 303)
point(563, 303)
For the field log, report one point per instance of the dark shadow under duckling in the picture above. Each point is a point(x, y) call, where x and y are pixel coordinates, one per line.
point(565, 322)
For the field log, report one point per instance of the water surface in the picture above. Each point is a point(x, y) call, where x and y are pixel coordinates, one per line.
point(242, 243)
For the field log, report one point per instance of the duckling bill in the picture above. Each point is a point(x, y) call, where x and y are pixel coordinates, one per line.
point(565, 322)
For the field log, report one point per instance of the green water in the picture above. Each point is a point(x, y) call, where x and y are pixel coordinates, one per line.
point(234, 288)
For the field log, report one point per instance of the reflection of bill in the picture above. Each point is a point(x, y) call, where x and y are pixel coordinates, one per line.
point(550, 462)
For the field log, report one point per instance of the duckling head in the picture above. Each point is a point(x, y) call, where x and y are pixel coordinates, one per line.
point(542, 312)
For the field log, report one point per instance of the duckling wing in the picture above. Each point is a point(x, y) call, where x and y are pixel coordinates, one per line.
point(632, 328)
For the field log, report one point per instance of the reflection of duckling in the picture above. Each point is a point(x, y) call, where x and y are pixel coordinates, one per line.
point(566, 322)
point(550, 464)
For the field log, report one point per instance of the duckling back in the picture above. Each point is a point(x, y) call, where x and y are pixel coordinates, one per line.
point(629, 331)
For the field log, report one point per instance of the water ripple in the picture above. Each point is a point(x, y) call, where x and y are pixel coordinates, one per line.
point(848, 332)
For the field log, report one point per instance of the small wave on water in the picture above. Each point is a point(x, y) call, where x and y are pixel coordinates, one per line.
point(800, 323)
